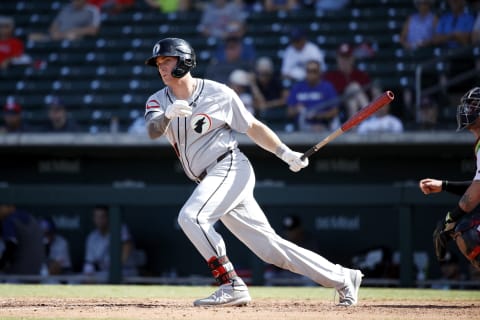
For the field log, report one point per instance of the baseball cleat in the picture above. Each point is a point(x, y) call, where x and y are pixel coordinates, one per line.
point(227, 295)
point(349, 293)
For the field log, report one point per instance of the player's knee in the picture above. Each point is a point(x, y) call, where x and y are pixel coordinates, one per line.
point(186, 219)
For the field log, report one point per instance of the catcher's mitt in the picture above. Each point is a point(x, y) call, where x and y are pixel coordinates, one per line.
point(440, 240)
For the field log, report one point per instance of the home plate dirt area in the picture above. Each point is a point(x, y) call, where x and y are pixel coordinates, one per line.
point(263, 308)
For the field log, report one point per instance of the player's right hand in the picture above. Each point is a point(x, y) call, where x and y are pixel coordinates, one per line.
point(430, 185)
point(293, 159)
point(178, 109)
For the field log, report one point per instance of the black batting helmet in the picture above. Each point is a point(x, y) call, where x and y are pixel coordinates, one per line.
point(468, 110)
point(174, 47)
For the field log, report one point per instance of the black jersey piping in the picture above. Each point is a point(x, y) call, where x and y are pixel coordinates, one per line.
point(209, 198)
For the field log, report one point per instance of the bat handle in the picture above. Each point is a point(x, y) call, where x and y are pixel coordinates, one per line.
point(308, 153)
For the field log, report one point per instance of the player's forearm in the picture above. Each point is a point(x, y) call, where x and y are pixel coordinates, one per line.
point(455, 187)
point(471, 198)
point(264, 136)
point(157, 126)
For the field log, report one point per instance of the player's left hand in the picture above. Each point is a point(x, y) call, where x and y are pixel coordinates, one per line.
point(293, 159)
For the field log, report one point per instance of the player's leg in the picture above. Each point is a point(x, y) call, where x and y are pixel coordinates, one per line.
point(219, 192)
point(249, 224)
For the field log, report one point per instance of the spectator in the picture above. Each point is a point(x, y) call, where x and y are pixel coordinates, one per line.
point(217, 15)
point(332, 5)
point(220, 71)
point(454, 28)
point(97, 248)
point(11, 48)
point(75, 20)
point(349, 82)
point(57, 252)
point(476, 30)
point(169, 6)
point(236, 34)
point(309, 101)
point(59, 121)
point(381, 121)
point(269, 94)
point(239, 81)
point(428, 113)
point(112, 6)
point(13, 119)
point(297, 54)
point(22, 235)
point(280, 5)
point(419, 28)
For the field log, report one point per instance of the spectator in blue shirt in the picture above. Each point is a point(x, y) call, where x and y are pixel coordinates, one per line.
point(455, 26)
point(313, 102)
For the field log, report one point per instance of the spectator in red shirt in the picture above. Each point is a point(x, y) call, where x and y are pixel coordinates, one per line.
point(10, 48)
point(349, 82)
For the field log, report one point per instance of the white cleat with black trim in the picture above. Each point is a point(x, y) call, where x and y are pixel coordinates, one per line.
point(349, 293)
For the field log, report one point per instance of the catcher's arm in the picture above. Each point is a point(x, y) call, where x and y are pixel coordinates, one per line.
point(429, 185)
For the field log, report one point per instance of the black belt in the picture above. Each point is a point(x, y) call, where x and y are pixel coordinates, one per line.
point(220, 158)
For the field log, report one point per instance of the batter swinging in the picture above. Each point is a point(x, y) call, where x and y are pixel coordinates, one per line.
point(200, 118)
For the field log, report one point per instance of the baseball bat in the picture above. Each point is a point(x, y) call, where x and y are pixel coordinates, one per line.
point(358, 117)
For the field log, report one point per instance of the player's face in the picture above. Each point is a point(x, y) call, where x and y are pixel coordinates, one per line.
point(165, 66)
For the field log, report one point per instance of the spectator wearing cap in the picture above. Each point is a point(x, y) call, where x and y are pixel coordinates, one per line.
point(235, 36)
point(310, 104)
point(76, 20)
point(269, 94)
point(240, 81)
point(298, 53)
point(11, 48)
point(221, 70)
point(58, 118)
point(350, 83)
point(57, 252)
point(13, 119)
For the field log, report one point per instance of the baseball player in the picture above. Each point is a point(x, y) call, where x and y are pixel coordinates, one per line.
point(200, 118)
point(459, 223)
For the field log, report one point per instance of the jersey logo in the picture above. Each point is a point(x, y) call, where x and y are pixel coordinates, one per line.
point(153, 104)
point(201, 123)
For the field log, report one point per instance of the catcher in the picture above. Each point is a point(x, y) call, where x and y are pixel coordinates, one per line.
point(462, 223)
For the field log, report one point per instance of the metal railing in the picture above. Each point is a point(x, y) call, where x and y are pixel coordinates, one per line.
point(440, 63)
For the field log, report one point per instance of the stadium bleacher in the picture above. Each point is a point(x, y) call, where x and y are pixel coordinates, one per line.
point(106, 73)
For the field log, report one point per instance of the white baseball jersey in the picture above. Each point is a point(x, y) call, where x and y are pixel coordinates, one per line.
point(210, 131)
point(226, 192)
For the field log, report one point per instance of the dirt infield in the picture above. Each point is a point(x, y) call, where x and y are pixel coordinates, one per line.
point(263, 308)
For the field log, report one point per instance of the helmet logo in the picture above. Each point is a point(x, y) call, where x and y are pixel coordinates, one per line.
point(201, 123)
point(156, 49)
